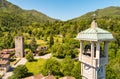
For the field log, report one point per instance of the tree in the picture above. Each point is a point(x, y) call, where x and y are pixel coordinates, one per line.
point(19, 72)
point(110, 73)
point(51, 42)
point(30, 56)
point(52, 66)
point(63, 50)
point(67, 65)
point(76, 71)
point(13, 77)
point(33, 45)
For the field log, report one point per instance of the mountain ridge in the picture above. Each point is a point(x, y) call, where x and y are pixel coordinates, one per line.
point(34, 15)
point(8, 7)
point(112, 11)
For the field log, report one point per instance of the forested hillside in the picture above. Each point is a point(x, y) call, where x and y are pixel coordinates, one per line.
point(16, 21)
point(30, 23)
point(112, 11)
point(29, 15)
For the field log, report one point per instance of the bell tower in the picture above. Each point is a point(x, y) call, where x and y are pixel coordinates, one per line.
point(94, 51)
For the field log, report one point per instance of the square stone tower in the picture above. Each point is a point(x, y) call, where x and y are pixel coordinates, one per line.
point(94, 51)
point(19, 46)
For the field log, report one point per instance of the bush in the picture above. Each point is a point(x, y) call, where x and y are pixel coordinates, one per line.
point(19, 72)
point(30, 57)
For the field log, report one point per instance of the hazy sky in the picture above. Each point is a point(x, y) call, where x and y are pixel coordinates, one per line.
point(64, 9)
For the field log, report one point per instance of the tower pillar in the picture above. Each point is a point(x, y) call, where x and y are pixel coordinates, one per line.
point(106, 50)
point(98, 54)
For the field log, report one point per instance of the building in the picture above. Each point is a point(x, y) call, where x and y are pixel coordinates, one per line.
point(40, 76)
point(41, 49)
point(94, 51)
point(19, 46)
point(49, 77)
point(4, 61)
point(67, 77)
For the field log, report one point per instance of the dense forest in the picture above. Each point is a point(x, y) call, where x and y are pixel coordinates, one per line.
point(15, 21)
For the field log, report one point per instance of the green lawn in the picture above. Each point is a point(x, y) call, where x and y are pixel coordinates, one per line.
point(35, 66)
point(44, 43)
point(38, 41)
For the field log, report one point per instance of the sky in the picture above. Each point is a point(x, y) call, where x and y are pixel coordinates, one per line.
point(64, 9)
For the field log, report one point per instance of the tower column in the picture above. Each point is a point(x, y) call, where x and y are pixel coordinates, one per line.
point(80, 55)
point(98, 54)
point(106, 50)
point(92, 50)
point(81, 50)
point(92, 60)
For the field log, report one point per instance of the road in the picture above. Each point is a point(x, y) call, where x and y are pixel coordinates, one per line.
point(44, 56)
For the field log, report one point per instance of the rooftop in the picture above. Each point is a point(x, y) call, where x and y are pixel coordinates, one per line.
point(94, 33)
point(67, 77)
point(39, 76)
point(5, 55)
point(3, 62)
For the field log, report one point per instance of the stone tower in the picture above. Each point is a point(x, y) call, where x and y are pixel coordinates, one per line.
point(19, 46)
point(94, 51)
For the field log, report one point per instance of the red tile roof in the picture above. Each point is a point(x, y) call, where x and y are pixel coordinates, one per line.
point(67, 77)
point(7, 50)
point(6, 56)
point(39, 76)
point(3, 62)
point(49, 77)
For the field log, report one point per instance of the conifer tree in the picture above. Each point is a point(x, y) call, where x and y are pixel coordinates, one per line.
point(51, 42)
point(33, 45)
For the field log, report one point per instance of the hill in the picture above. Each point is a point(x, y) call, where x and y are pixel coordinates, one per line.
point(111, 11)
point(33, 15)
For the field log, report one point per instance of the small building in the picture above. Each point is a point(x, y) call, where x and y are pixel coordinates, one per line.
point(41, 49)
point(4, 61)
point(4, 65)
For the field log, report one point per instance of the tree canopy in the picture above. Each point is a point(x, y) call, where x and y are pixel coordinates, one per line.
point(19, 72)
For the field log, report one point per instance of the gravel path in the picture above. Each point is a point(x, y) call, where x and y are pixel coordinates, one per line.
point(44, 56)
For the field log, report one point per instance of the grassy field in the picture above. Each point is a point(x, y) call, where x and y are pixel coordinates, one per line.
point(35, 66)
point(44, 43)
point(39, 42)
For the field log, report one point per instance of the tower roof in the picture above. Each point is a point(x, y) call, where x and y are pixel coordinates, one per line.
point(94, 33)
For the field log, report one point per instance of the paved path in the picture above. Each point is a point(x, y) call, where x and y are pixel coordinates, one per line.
point(7, 75)
point(44, 56)
point(22, 62)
